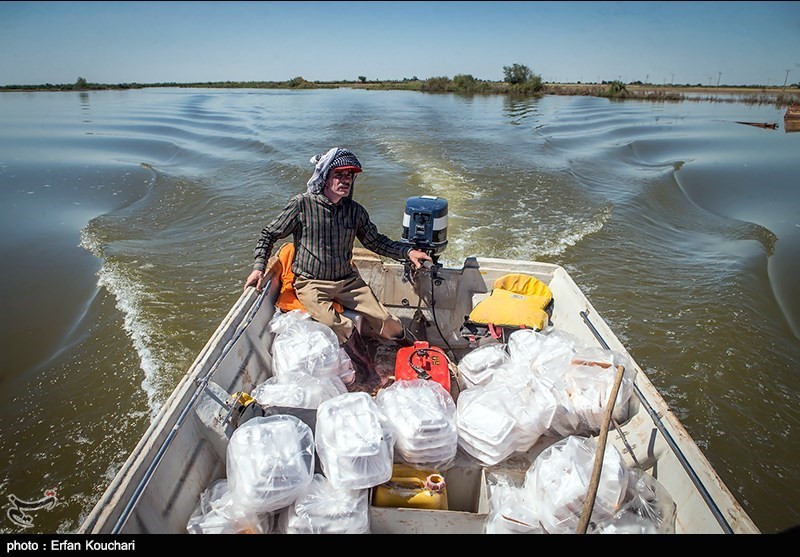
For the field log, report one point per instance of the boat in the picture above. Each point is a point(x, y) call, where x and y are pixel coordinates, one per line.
point(765, 125)
point(791, 119)
point(183, 452)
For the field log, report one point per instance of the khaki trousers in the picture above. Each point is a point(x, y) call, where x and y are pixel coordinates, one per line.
point(353, 293)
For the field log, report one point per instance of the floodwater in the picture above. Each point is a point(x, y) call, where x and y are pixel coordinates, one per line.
point(128, 219)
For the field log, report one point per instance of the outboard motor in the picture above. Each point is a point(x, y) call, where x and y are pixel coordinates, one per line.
point(425, 224)
point(425, 229)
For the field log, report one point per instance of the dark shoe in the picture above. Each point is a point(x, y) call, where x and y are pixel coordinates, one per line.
point(367, 377)
point(408, 338)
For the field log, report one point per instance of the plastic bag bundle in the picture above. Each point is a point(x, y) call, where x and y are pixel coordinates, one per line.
point(346, 372)
point(503, 417)
point(217, 513)
point(538, 349)
point(303, 345)
point(558, 482)
point(525, 345)
point(354, 448)
point(588, 390)
point(323, 509)
point(297, 390)
point(587, 383)
point(565, 420)
point(648, 509)
point(509, 509)
point(477, 366)
point(511, 372)
point(421, 415)
point(532, 406)
point(485, 429)
point(270, 460)
point(527, 399)
point(282, 320)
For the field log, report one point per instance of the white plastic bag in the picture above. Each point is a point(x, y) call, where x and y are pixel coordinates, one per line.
point(324, 509)
point(559, 478)
point(217, 513)
point(421, 414)
point(270, 460)
point(507, 415)
point(297, 390)
point(648, 509)
point(510, 511)
point(478, 365)
point(305, 346)
point(354, 448)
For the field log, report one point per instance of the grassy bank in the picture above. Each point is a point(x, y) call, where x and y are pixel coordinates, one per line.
point(467, 85)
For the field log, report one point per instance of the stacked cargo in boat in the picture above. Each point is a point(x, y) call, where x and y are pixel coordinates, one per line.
point(548, 425)
point(523, 420)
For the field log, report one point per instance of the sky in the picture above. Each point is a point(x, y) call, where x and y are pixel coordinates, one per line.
point(707, 43)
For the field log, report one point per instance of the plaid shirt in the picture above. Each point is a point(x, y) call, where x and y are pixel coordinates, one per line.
point(324, 234)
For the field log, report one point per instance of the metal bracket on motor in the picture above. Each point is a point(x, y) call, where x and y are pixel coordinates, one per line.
point(410, 272)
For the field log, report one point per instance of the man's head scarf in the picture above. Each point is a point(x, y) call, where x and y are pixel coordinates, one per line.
point(325, 162)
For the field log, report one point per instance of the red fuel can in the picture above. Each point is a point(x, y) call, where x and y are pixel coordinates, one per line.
point(422, 361)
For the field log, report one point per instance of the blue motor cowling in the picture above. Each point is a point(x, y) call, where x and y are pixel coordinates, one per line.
point(425, 224)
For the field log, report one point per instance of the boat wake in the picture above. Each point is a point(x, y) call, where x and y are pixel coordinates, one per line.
point(532, 226)
point(130, 296)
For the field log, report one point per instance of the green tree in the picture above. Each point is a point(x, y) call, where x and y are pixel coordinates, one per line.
point(362, 78)
point(522, 80)
point(465, 83)
point(299, 83)
point(617, 89)
point(81, 84)
point(533, 85)
point(517, 74)
point(438, 84)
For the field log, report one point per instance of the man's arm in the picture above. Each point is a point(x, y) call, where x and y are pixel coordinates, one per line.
point(256, 278)
point(383, 245)
point(281, 226)
point(418, 256)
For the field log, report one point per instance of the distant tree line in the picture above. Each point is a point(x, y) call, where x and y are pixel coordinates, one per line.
point(80, 85)
point(518, 80)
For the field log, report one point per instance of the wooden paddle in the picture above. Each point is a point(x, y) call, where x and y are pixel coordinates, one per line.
point(588, 503)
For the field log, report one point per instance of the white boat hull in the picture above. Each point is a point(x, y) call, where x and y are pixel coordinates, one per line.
point(159, 486)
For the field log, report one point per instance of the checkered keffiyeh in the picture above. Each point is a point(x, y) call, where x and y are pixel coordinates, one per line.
point(323, 163)
point(345, 158)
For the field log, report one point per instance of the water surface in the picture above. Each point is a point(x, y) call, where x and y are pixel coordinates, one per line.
point(128, 219)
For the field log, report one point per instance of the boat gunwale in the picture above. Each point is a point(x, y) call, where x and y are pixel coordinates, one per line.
point(108, 508)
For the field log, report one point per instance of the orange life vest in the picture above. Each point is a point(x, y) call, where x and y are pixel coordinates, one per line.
point(287, 298)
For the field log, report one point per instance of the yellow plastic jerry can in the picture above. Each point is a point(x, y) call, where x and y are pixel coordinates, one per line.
point(412, 487)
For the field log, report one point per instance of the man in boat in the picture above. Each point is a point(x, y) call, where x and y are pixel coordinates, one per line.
point(324, 222)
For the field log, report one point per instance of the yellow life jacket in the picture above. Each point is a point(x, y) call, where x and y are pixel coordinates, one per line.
point(517, 301)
